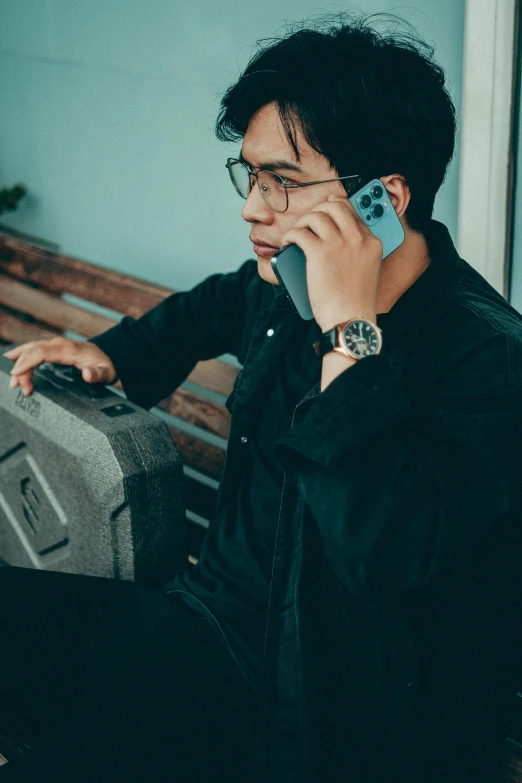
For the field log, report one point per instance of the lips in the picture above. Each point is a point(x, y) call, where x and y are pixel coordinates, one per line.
point(265, 251)
point(262, 244)
point(262, 249)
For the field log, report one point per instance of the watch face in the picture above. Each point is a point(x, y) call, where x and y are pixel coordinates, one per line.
point(361, 338)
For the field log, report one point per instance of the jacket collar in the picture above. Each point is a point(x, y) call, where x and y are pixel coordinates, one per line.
point(430, 294)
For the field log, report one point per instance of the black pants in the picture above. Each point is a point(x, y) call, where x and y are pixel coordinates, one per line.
point(110, 681)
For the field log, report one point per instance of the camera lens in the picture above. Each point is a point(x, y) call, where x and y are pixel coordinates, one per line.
point(365, 201)
point(377, 191)
point(378, 210)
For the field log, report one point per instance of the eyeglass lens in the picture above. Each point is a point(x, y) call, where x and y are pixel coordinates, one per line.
point(270, 185)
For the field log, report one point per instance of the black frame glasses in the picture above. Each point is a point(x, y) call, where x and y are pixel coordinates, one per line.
point(272, 178)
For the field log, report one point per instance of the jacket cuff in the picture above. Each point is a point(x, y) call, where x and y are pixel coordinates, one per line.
point(129, 362)
point(360, 403)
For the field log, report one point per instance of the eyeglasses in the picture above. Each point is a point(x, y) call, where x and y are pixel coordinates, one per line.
point(273, 188)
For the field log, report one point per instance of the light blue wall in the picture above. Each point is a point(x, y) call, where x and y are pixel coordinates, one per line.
point(107, 113)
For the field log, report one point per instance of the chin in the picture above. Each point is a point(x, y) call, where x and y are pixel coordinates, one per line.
point(265, 271)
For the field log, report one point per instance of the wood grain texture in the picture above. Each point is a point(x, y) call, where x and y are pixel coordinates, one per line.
point(15, 330)
point(62, 274)
point(50, 309)
point(199, 411)
point(198, 454)
point(215, 375)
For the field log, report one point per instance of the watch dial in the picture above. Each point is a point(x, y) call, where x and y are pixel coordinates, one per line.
point(361, 338)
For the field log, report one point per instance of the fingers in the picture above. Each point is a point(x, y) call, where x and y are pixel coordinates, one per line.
point(320, 223)
point(14, 353)
point(23, 381)
point(30, 355)
point(95, 366)
point(344, 214)
point(337, 216)
point(329, 222)
point(303, 238)
point(97, 373)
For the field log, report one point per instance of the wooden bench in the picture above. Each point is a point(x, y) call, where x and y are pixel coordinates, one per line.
point(44, 294)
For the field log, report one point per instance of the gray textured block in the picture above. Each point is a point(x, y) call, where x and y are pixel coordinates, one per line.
point(88, 484)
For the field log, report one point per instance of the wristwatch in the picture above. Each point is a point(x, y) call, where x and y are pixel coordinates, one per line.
point(356, 338)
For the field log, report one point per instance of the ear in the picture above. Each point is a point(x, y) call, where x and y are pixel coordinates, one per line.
point(399, 192)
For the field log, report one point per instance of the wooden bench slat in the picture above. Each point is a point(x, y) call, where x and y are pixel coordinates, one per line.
point(61, 274)
point(50, 309)
point(199, 411)
point(198, 454)
point(215, 375)
point(14, 330)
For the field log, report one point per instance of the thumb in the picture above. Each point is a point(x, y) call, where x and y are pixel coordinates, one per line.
point(89, 374)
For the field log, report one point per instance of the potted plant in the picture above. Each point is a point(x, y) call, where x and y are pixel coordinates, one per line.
point(9, 197)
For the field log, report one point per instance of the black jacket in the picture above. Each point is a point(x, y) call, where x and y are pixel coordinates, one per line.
point(393, 647)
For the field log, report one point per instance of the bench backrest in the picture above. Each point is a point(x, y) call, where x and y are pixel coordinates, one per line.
point(45, 294)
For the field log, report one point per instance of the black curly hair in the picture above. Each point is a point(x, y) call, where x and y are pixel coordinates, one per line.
point(372, 101)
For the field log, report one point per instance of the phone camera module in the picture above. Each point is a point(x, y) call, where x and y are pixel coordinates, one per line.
point(365, 201)
point(378, 210)
point(377, 191)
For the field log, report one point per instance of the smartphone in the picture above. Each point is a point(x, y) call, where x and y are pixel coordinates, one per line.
point(374, 206)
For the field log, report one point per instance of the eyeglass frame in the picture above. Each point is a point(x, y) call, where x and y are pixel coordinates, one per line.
point(231, 161)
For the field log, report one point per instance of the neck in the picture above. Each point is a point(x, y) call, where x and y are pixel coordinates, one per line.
point(401, 269)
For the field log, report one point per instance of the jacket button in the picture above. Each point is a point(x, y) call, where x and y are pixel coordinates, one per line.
point(243, 439)
point(270, 333)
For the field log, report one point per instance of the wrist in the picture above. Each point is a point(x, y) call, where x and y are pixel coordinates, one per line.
point(333, 365)
point(347, 343)
point(355, 311)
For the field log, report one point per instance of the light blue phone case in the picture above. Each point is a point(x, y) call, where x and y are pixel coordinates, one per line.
point(289, 263)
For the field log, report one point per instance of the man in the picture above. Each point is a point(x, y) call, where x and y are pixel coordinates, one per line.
point(358, 591)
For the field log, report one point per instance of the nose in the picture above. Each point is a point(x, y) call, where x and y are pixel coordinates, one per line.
point(255, 209)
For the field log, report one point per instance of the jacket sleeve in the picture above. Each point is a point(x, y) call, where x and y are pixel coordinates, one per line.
point(153, 354)
point(398, 493)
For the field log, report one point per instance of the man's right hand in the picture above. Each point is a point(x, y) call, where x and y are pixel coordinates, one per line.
point(95, 365)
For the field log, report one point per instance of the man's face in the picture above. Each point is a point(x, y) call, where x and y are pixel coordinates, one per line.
point(264, 143)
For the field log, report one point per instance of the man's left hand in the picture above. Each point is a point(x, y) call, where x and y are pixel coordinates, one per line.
point(343, 262)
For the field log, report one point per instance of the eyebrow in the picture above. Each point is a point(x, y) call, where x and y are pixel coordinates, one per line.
point(284, 165)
